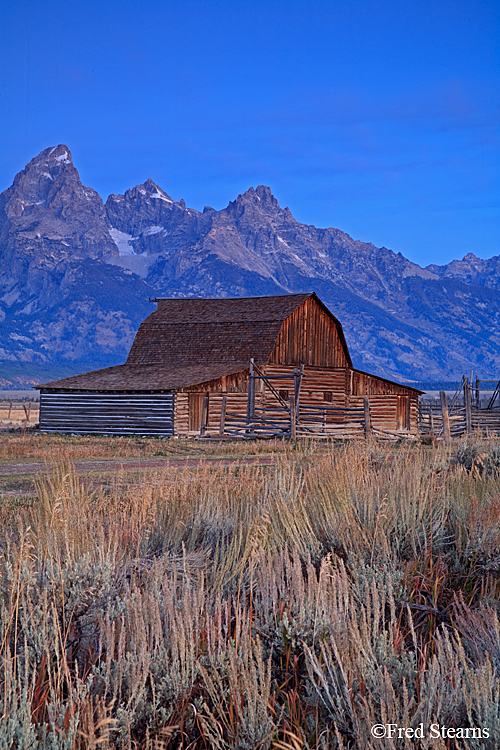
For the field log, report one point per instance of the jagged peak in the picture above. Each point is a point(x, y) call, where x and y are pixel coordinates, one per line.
point(261, 194)
point(148, 189)
point(53, 155)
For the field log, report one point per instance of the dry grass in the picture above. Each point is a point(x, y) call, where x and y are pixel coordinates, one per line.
point(234, 607)
point(19, 446)
point(19, 413)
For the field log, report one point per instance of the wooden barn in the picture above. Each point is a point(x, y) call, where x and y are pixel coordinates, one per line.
point(256, 366)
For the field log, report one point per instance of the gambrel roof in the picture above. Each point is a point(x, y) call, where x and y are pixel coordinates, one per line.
point(190, 341)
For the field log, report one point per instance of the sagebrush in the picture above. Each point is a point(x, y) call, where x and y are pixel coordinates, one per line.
point(292, 606)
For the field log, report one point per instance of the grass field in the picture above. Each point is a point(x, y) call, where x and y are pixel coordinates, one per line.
point(291, 603)
point(15, 413)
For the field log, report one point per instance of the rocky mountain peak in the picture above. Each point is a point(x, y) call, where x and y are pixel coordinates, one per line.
point(48, 216)
point(39, 182)
point(264, 193)
point(52, 157)
point(71, 286)
point(254, 203)
point(146, 208)
point(149, 190)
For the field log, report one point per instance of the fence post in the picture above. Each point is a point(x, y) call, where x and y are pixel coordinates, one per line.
point(204, 415)
point(297, 382)
point(368, 419)
point(251, 398)
point(468, 406)
point(478, 402)
point(293, 419)
point(223, 416)
point(446, 417)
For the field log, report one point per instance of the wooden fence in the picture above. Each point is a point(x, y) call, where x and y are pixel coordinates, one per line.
point(14, 412)
point(463, 414)
point(270, 415)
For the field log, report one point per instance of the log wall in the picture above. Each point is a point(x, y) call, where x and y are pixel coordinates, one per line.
point(236, 404)
point(326, 403)
point(107, 413)
point(389, 412)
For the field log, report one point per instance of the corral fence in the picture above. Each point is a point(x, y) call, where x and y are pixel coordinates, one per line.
point(475, 406)
point(291, 418)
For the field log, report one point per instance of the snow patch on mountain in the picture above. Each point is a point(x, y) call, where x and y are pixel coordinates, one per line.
point(152, 230)
point(122, 241)
point(161, 197)
point(63, 158)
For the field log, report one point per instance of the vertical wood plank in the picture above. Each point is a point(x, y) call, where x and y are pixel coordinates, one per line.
point(446, 417)
point(251, 397)
point(204, 416)
point(468, 406)
point(367, 415)
point(223, 410)
point(293, 419)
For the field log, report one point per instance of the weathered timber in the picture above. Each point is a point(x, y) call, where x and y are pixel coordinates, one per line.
point(223, 415)
point(293, 418)
point(446, 418)
point(368, 421)
point(468, 406)
point(119, 414)
point(233, 364)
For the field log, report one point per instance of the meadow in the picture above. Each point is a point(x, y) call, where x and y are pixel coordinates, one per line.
point(292, 603)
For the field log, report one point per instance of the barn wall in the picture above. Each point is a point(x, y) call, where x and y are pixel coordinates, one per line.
point(236, 403)
point(364, 384)
point(235, 383)
point(317, 385)
point(107, 413)
point(389, 411)
point(309, 336)
point(322, 388)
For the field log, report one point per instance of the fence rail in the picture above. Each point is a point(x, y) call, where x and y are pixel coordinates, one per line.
point(462, 414)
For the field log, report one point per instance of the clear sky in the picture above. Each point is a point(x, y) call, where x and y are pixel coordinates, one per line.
point(378, 117)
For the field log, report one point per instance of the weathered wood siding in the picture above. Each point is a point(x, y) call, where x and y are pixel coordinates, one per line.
point(107, 413)
point(235, 383)
point(309, 336)
point(364, 384)
point(389, 411)
point(236, 403)
point(319, 386)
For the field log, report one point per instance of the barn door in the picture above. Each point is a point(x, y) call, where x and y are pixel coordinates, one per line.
point(195, 408)
point(402, 413)
point(196, 413)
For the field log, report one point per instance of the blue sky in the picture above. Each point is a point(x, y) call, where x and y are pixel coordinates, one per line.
point(379, 118)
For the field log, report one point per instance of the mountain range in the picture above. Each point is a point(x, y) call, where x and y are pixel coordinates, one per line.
point(77, 274)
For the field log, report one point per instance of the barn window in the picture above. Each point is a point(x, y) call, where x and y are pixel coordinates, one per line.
point(328, 396)
point(284, 394)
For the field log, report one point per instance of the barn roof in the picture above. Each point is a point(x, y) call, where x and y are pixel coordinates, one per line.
point(145, 377)
point(190, 341)
point(185, 332)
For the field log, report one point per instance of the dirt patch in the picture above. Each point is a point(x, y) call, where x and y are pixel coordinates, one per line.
point(19, 469)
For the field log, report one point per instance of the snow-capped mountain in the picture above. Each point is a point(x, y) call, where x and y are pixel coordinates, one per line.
point(76, 277)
